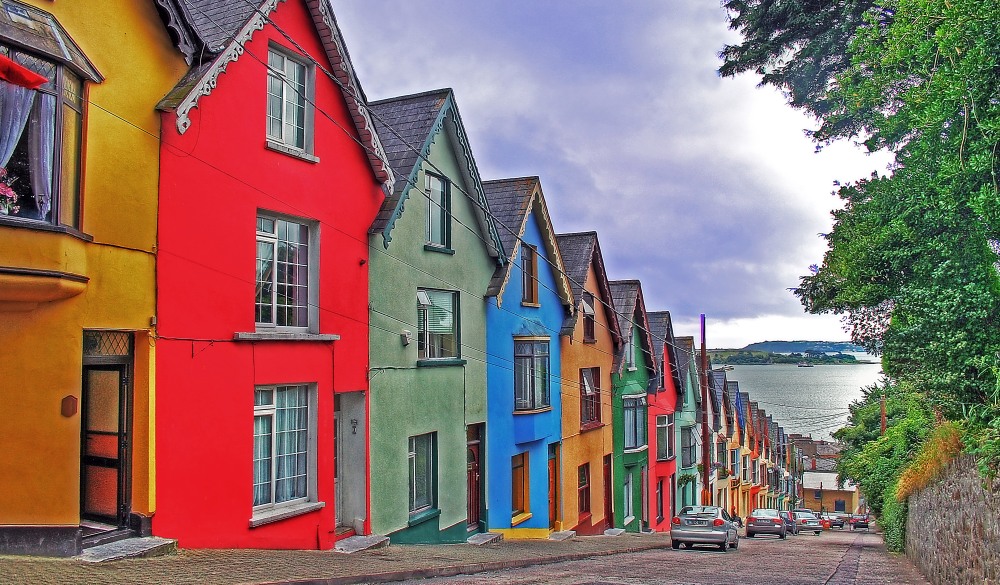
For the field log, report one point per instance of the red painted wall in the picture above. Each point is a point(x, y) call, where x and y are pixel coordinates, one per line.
point(662, 403)
point(214, 178)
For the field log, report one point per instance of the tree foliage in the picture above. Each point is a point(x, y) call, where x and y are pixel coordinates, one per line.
point(911, 259)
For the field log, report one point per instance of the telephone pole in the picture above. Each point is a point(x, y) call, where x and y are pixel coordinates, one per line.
point(706, 454)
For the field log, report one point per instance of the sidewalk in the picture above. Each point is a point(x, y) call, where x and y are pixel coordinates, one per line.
point(393, 563)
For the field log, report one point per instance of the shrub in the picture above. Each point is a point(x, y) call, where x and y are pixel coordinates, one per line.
point(941, 447)
point(893, 520)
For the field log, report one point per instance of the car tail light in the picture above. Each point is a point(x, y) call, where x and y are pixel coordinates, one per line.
point(676, 520)
point(803, 521)
point(718, 522)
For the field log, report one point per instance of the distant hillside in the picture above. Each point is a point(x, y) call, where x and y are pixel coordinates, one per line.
point(804, 347)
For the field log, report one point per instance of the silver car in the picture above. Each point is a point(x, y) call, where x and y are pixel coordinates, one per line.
point(704, 525)
point(765, 521)
point(806, 521)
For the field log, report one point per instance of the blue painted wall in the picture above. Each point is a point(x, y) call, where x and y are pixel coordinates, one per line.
point(507, 433)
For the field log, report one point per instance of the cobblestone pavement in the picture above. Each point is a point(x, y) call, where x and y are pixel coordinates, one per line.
point(834, 558)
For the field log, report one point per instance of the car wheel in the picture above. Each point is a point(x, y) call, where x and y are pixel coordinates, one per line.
point(675, 544)
point(750, 534)
point(817, 532)
point(737, 543)
point(725, 545)
point(782, 536)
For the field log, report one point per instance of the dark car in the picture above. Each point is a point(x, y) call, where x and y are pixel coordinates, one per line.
point(703, 525)
point(859, 521)
point(766, 521)
point(786, 516)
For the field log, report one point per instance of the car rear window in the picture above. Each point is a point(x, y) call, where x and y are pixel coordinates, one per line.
point(764, 513)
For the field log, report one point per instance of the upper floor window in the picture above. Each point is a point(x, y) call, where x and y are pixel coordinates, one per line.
point(589, 318)
point(665, 443)
point(41, 114)
point(438, 211)
point(635, 421)
point(531, 374)
point(286, 265)
point(590, 396)
point(437, 324)
point(529, 274)
point(289, 99)
point(689, 447)
point(630, 351)
point(734, 459)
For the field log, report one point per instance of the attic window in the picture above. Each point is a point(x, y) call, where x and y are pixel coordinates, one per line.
point(589, 320)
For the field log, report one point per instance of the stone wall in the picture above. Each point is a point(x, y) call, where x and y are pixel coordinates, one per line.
point(953, 527)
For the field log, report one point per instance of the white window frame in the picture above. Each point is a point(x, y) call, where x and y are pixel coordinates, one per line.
point(663, 429)
point(280, 85)
point(441, 208)
point(273, 509)
point(533, 397)
point(636, 429)
point(628, 509)
point(271, 238)
point(630, 352)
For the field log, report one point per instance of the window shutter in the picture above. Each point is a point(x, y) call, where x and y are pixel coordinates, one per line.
point(440, 315)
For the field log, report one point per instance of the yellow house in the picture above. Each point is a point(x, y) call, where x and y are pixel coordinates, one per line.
point(589, 341)
point(78, 205)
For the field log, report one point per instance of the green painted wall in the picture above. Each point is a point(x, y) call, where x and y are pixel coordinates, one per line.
point(686, 416)
point(407, 400)
point(628, 383)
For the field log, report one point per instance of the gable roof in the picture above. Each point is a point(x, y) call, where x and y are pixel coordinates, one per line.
point(716, 385)
point(661, 329)
point(631, 308)
point(513, 202)
point(685, 357)
point(579, 252)
point(213, 33)
point(408, 126)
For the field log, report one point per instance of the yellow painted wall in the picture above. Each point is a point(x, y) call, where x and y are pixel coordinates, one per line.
point(41, 357)
point(850, 497)
point(592, 445)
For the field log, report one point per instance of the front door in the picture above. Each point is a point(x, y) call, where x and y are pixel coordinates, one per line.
point(553, 485)
point(472, 455)
point(608, 508)
point(104, 466)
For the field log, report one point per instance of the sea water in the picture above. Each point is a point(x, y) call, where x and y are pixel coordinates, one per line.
point(810, 401)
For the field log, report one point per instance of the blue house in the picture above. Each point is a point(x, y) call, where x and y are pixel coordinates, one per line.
point(527, 303)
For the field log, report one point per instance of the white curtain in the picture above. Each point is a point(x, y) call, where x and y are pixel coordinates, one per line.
point(41, 144)
point(15, 106)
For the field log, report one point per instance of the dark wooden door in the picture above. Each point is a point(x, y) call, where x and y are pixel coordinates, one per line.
point(553, 485)
point(104, 464)
point(608, 508)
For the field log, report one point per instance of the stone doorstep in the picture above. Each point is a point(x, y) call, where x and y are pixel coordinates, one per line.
point(614, 532)
point(129, 548)
point(484, 538)
point(353, 544)
point(563, 535)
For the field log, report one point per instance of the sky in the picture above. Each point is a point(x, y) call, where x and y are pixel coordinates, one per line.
point(705, 189)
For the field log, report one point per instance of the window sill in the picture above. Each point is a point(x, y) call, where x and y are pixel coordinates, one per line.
point(41, 226)
point(584, 516)
point(519, 519)
point(590, 426)
point(291, 151)
point(283, 336)
point(534, 410)
point(284, 512)
point(423, 516)
point(440, 362)
point(438, 249)
point(637, 449)
point(670, 458)
point(631, 368)
point(591, 340)
point(628, 520)
point(530, 304)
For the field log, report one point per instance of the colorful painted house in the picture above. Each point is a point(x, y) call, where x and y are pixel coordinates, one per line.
point(688, 426)
point(734, 440)
point(434, 251)
point(270, 176)
point(662, 422)
point(747, 438)
point(634, 371)
point(78, 195)
point(529, 299)
point(590, 340)
point(719, 439)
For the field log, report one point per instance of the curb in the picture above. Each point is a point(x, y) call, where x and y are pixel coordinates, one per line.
point(465, 569)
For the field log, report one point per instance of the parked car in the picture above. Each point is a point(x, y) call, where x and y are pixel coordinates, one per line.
point(786, 516)
point(765, 521)
point(859, 521)
point(807, 521)
point(704, 525)
point(834, 520)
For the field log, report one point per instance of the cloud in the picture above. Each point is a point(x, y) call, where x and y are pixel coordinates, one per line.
point(704, 188)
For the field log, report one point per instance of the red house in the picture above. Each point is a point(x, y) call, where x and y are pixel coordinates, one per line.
point(662, 432)
point(271, 175)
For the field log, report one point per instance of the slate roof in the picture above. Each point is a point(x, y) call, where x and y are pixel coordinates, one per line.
point(211, 34)
point(579, 251)
point(627, 295)
point(404, 125)
point(509, 200)
point(685, 355)
point(717, 384)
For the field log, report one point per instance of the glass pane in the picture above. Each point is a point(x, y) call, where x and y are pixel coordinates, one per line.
point(291, 442)
point(522, 383)
point(103, 391)
point(265, 282)
point(541, 381)
point(262, 460)
point(436, 211)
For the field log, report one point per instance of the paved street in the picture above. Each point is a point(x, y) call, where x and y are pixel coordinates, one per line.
point(833, 558)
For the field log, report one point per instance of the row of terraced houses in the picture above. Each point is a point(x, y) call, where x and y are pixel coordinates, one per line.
point(241, 305)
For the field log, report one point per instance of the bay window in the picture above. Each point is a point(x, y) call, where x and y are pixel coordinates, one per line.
point(634, 408)
point(531, 374)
